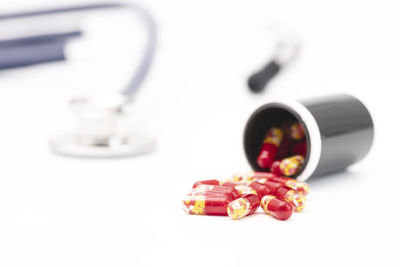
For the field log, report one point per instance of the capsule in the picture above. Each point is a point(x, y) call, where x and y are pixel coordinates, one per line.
point(204, 189)
point(297, 131)
point(243, 206)
point(206, 182)
point(212, 204)
point(300, 148)
point(297, 200)
point(269, 148)
point(276, 208)
point(290, 166)
point(261, 189)
point(240, 179)
point(282, 192)
point(236, 178)
point(286, 144)
point(300, 187)
point(275, 167)
point(263, 177)
point(242, 189)
point(229, 184)
point(246, 178)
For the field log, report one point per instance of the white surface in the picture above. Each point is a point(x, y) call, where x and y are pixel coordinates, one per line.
point(59, 211)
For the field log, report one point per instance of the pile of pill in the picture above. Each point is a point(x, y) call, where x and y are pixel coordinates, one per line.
point(242, 195)
point(284, 149)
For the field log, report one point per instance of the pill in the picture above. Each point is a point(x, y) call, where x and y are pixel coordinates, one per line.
point(261, 177)
point(297, 200)
point(282, 192)
point(204, 189)
point(243, 206)
point(285, 146)
point(206, 182)
point(297, 186)
point(240, 178)
point(269, 148)
point(290, 166)
point(300, 148)
point(300, 187)
point(261, 189)
point(276, 208)
point(235, 178)
point(266, 157)
point(297, 131)
point(246, 178)
point(213, 204)
point(229, 184)
point(242, 189)
point(275, 167)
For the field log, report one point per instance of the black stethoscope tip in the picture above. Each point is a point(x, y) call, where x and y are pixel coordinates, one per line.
point(259, 80)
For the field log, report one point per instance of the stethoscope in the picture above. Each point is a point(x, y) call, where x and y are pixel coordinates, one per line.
point(102, 121)
point(103, 128)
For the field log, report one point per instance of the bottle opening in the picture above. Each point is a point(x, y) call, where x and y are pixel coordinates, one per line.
point(280, 116)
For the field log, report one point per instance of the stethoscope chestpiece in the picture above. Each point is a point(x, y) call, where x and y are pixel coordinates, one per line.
point(103, 129)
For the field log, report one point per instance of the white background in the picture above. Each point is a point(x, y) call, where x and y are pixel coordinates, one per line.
point(58, 211)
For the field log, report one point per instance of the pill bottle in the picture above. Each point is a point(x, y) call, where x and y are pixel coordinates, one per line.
point(339, 131)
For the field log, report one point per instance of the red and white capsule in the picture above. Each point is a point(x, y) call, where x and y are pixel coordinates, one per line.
point(261, 189)
point(206, 182)
point(299, 187)
point(243, 206)
point(203, 189)
point(282, 192)
point(269, 148)
point(300, 148)
point(242, 189)
point(290, 166)
point(276, 208)
point(211, 204)
point(297, 131)
point(263, 177)
point(285, 146)
point(276, 167)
